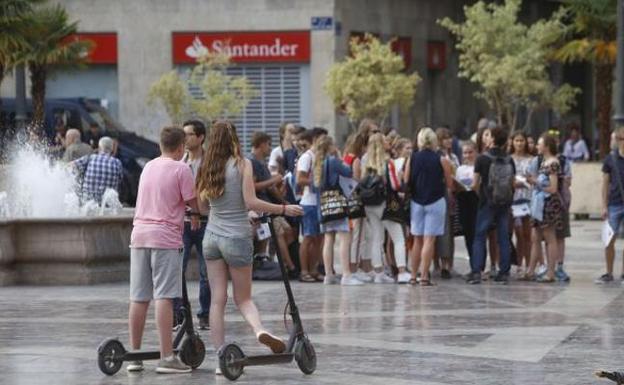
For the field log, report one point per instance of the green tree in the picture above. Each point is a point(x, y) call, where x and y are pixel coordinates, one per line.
point(221, 96)
point(12, 14)
point(47, 33)
point(510, 60)
point(369, 82)
point(591, 34)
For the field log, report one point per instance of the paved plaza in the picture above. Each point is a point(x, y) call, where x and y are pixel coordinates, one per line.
point(523, 333)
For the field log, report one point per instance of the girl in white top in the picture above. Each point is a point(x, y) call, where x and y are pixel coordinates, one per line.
point(522, 195)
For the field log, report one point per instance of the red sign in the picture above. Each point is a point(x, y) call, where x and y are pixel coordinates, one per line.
point(243, 47)
point(436, 55)
point(104, 49)
point(403, 46)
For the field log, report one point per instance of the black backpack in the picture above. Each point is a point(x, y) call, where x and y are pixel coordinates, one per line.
point(500, 180)
point(372, 189)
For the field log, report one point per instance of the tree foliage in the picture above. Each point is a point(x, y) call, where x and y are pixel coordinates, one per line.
point(221, 96)
point(49, 46)
point(371, 81)
point(510, 60)
point(591, 37)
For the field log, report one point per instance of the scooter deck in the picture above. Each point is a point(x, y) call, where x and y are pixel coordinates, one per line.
point(268, 359)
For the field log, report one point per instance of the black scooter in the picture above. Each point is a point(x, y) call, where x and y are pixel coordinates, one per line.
point(187, 344)
point(232, 360)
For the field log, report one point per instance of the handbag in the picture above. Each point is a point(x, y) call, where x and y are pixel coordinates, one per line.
point(397, 208)
point(333, 203)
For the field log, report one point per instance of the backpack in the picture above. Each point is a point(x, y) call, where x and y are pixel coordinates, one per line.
point(372, 189)
point(501, 177)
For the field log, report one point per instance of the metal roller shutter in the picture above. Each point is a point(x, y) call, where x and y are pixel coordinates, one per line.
point(278, 100)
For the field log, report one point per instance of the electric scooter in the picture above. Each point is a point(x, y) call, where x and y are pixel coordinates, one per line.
point(187, 344)
point(232, 360)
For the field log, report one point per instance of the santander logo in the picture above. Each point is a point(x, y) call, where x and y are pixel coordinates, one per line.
point(243, 50)
point(261, 46)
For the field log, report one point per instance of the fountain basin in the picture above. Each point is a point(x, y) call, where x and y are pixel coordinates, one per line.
point(65, 251)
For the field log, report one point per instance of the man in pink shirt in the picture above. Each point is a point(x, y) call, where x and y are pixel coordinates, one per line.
point(165, 187)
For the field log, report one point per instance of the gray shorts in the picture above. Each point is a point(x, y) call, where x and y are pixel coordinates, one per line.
point(155, 273)
point(236, 252)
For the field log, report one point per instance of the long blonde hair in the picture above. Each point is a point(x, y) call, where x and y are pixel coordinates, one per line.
point(376, 155)
point(322, 148)
point(222, 144)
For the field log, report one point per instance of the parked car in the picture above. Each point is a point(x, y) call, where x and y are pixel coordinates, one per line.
point(81, 113)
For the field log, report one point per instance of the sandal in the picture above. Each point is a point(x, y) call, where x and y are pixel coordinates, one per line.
point(319, 277)
point(544, 279)
point(426, 282)
point(307, 278)
point(413, 282)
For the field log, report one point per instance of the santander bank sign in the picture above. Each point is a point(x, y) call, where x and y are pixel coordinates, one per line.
point(243, 47)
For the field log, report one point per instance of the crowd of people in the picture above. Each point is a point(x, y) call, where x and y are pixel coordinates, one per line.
point(389, 206)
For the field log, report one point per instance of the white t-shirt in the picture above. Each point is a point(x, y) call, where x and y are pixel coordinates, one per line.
point(465, 174)
point(275, 157)
point(305, 163)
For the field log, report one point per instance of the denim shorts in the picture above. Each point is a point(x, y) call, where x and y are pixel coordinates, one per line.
point(616, 215)
point(310, 225)
point(236, 252)
point(428, 220)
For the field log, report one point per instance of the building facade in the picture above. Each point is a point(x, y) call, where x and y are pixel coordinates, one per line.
point(284, 47)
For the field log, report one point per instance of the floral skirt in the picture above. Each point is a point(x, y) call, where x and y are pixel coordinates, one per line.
point(553, 207)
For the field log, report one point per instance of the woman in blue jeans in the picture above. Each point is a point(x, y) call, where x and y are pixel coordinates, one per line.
point(225, 181)
point(428, 176)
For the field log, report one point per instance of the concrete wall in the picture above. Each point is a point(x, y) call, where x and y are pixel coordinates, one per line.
point(441, 97)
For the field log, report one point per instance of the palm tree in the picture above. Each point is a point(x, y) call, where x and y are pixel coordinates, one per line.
point(48, 35)
point(12, 14)
point(592, 39)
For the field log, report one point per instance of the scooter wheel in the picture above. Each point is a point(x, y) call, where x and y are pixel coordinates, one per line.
point(230, 358)
point(110, 356)
point(193, 351)
point(305, 355)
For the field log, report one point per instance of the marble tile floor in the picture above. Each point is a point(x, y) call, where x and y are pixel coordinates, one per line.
point(522, 333)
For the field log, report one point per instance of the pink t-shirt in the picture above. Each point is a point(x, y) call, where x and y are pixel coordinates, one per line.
point(159, 215)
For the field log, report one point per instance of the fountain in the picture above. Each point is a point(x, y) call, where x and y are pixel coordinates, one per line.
point(47, 236)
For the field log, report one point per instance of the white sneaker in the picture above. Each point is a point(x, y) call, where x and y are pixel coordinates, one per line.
point(350, 280)
point(383, 278)
point(218, 371)
point(404, 277)
point(363, 276)
point(135, 366)
point(541, 269)
point(330, 280)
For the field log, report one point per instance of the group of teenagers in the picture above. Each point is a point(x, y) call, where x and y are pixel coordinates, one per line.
point(381, 201)
point(390, 207)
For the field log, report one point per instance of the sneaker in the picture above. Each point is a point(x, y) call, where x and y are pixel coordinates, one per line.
point(383, 278)
point(364, 277)
point(474, 279)
point(519, 272)
point(135, 366)
point(541, 270)
point(561, 275)
point(274, 343)
point(404, 277)
point(172, 365)
point(218, 371)
point(605, 278)
point(350, 280)
point(204, 324)
point(502, 278)
point(493, 272)
point(330, 280)
point(445, 274)
point(485, 275)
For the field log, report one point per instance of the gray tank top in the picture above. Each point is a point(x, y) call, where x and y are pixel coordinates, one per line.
point(228, 213)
